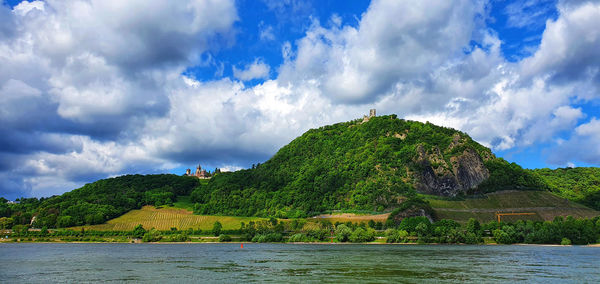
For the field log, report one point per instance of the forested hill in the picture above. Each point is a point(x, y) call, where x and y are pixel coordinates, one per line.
point(578, 184)
point(97, 202)
point(361, 165)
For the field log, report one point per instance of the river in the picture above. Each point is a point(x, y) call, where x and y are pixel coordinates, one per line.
point(209, 263)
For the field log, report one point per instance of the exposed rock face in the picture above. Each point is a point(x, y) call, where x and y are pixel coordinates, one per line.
point(437, 177)
point(411, 212)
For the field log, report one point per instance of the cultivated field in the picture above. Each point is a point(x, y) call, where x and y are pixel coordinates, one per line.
point(545, 205)
point(165, 218)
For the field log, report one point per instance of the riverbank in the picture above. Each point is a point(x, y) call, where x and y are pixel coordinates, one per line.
point(45, 241)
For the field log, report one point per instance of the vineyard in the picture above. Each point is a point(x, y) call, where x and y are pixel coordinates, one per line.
point(166, 218)
point(545, 205)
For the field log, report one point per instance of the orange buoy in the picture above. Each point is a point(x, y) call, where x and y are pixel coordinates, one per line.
point(242, 245)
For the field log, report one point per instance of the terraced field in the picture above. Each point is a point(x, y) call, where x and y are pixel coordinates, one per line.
point(545, 205)
point(165, 218)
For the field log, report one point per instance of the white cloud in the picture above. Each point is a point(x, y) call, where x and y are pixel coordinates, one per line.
point(358, 65)
point(25, 6)
point(265, 32)
point(255, 70)
point(569, 50)
point(99, 89)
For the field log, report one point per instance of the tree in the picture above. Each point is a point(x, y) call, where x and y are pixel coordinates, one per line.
point(152, 236)
point(224, 238)
point(216, 230)
point(6, 223)
point(138, 231)
point(371, 224)
point(342, 233)
point(473, 226)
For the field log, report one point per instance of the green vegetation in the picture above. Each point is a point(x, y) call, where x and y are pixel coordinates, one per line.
point(97, 202)
point(545, 205)
point(410, 230)
point(578, 184)
point(509, 176)
point(346, 166)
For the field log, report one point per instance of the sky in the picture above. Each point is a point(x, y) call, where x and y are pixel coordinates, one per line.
point(100, 88)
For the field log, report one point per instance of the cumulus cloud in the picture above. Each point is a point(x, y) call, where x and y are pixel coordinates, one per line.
point(569, 49)
point(359, 65)
point(581, 146)
point(82, 75)
point(255, 70)
point(89, 89)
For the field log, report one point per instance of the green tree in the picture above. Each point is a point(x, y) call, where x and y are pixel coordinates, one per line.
point(361, 235)
point(474, 227)
point(224, 238)
point(217, 227)
point(342, 233)
point(152, 236)
point(6, 223)
point(138, 231)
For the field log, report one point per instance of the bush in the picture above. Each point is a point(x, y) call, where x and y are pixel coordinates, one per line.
point(138, 231)
point(472, 238)
point(224, 238)
point(565, 242)
point(152, 236)
point(396, 236)
point(178, 238)
point(361, 235)
point(342, 233)
point(268, 238)
point(298, 238)
point(217, 227)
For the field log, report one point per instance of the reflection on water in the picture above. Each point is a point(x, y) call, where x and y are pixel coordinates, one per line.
point(296, 263)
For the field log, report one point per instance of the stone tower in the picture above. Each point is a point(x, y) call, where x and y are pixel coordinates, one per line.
point(372, 113)
point(198, 169)
point(188, 172)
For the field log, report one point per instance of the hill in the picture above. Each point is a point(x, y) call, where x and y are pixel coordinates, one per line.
point(577, 184)
point(97, 202)
point(374, 164)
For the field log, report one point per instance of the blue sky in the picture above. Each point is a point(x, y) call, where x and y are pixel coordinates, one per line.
point(93, 89)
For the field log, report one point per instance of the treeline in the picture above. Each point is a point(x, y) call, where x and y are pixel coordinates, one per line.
point(97, 202)
point(578, 184)
point(563, 231)
point(509, 176)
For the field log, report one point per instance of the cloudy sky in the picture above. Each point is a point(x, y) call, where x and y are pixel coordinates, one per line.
point(98, 88)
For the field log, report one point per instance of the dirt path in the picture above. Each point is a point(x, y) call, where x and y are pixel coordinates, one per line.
point(494, 210)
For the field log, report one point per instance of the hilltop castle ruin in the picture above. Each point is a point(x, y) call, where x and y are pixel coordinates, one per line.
point(200, 173)
point(372, 113)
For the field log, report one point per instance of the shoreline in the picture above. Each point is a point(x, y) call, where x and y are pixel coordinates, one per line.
point(300, 243)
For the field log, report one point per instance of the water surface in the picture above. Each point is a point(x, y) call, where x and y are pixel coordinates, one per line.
point(186, 263)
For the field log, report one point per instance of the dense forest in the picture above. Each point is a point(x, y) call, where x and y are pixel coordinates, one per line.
point(356, 165)
point(578, 184)
point(97, 202)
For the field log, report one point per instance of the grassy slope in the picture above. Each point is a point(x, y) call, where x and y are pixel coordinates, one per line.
point(546, 206)
point(167, 217)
